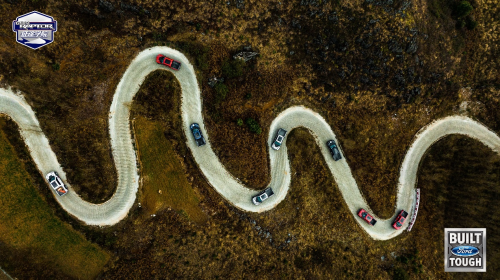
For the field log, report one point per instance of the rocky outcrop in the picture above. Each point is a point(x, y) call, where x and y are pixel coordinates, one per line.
point(246, 56)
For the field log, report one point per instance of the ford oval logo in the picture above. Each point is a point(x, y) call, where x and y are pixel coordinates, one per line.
point(465, 251)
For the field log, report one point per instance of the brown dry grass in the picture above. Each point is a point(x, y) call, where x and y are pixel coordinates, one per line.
point(163, 184)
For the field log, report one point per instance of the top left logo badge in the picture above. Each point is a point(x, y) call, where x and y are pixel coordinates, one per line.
point(34, 29)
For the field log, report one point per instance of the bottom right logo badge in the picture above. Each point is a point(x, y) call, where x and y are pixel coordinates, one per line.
point(465, 250)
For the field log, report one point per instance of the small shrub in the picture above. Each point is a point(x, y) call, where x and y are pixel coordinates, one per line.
point(248, 96)
point(463, 9)
point(56, 66)
point(233, 68)
point(221, 91)
point(254, 126)
point(239, 122)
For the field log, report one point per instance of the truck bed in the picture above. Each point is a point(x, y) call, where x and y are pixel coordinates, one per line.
point(176, 65)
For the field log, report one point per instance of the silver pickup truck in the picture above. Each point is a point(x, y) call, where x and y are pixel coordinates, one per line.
point(280, 136)
point(263, 195)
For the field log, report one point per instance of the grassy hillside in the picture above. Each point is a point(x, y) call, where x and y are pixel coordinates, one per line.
point(33, 241)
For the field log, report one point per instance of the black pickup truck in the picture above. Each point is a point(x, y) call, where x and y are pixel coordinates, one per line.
point(334, 150)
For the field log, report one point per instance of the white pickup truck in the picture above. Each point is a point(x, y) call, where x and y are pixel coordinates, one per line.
point(263, 195)
point(56, 183)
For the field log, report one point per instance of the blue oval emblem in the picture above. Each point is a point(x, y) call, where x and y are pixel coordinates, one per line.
point(465, 251)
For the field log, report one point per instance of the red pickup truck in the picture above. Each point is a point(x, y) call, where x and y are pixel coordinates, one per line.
point(163, 60)
point(367, 217)
point(400, 219)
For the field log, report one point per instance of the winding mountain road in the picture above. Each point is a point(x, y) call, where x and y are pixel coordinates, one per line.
point(117, 207)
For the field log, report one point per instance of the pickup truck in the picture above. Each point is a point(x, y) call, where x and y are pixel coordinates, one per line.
point(367, 217)
point(280, 136)
point(263, 195)
point(198, 136)
point(400, 219)
point(163, 60)
point(56, 183)
point(334, 150)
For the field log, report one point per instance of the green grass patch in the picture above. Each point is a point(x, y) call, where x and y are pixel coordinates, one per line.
point(163, 180)
point(27, 223)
